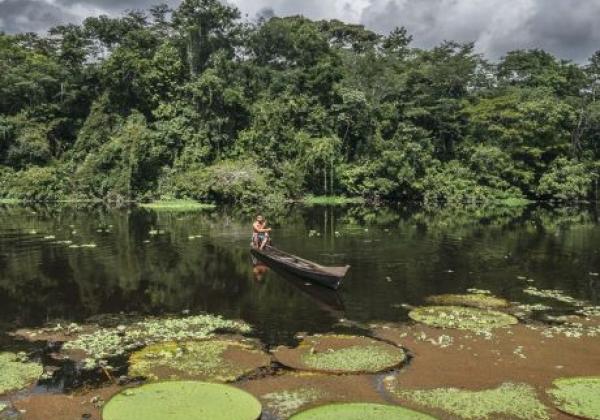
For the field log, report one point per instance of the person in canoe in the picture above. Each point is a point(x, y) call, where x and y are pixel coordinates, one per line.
point(260, 233)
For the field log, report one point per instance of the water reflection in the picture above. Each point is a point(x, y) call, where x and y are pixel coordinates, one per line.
point(139, 260)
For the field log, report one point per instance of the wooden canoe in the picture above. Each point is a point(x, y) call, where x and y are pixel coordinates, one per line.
point(325, 276)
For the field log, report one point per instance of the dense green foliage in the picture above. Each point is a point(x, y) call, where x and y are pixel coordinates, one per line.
point(193, 103)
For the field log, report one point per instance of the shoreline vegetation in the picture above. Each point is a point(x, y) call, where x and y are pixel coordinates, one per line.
point(176, 205)
point(197, 103)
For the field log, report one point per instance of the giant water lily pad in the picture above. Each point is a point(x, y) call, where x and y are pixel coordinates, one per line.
point(341, 354)
point(182, 400)
point(577, 396)
point(476, 300)
point(461, 317)
point(360, 411)
point(517, 401)
point(214, 360)
point(116, 341)
point(16, 374)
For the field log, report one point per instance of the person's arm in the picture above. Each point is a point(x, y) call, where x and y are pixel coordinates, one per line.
point(259, 229)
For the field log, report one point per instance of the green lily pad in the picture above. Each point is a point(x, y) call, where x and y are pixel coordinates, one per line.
point(182, 400)
point(518, 401)
point(211, 360)
point(476, 300)
point(341, 354)
point(360, 411)
point(577, 396)
point(16, 374)
point(461, 317)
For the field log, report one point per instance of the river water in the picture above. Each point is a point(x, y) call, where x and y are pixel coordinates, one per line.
point(72, 263)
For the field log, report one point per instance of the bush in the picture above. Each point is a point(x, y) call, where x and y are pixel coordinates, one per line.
point(223, 182)
point(35, 184)
point(566, 180)
point(453, 183)
point(125, 167)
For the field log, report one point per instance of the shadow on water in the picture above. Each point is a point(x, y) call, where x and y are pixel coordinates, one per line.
point(69, 263)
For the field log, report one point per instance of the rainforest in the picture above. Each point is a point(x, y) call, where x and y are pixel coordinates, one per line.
point(197, 103)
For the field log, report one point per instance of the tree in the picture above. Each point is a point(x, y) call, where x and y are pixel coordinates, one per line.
point(206, 26)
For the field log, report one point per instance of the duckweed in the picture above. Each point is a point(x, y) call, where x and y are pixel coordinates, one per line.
point(214, 360)
point(507, 401)
point(461, 318)
point(116, 341)
point(360, 411)
point(15, 373)
point(577, 396)
point(182, 400)
point(476, 300)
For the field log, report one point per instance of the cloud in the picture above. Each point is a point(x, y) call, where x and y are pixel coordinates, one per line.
point(31, 15)
point(567, 28)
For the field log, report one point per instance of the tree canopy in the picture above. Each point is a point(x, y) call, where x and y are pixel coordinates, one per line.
point(196, 103)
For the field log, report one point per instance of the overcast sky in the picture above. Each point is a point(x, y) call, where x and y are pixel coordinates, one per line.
point(568, 28)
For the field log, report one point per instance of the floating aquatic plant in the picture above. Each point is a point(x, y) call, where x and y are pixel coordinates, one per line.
point(533, 307)
point(589, 311)
point(477, 300)
point(341, 354)
point(558, 295)
point(116, 341)
point(360, 411)
point(507, 401)
point(569, 330)
point(213, 360)
point(461, 317)
point(15, 373)
point(182, 400)
point(285, 403)
point(577, 396)
point(177, 205)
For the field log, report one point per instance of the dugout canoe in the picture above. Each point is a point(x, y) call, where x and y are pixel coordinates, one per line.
point(330, 277)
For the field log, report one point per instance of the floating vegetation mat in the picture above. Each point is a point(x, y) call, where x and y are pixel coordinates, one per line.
point(16, 373)
point(110, 342)
point(567, 329)
point(341, 354)
point(476, 300)
point(288, 393)
point(360, 411)
point(507, 401)
point(461, 318)
point(285, 403)
point(577, 396)
point(212, 360)
point(177, 205)
point(182, 400)
point(558, 295)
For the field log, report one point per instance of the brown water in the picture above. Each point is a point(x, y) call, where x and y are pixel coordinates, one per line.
point(398, 256)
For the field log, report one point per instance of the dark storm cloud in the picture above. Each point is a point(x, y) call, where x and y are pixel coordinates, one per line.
point(31, 15)
point(567, 28)
point(115, 5)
